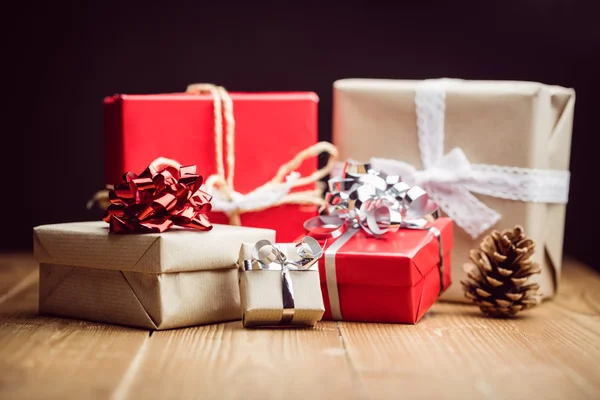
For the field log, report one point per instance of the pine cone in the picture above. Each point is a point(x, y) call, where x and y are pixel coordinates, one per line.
point(502, 266)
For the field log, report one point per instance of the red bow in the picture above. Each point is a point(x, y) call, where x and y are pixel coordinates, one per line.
point(165, 194)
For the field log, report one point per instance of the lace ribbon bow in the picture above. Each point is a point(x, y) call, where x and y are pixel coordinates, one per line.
point(165, 194)
point(451, 179)
point(372, 200)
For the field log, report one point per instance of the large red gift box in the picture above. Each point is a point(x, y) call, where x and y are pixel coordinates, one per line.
point(394, 279)
point(270, 129)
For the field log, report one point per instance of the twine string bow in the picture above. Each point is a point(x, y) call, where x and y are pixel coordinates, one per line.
point(275, 192)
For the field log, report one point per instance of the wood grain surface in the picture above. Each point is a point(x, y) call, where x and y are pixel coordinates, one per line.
point(552, 352)
point(55, 358)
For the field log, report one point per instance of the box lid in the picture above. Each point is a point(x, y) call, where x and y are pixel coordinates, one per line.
point(136, 128)
point(235, 96)
point(397, 259)
point(453, 85)
point(89, 244)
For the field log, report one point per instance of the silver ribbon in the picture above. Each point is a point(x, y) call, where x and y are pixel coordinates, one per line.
point(368, 199)
point(331, 273)
point(372, 200)
point(436, 232)
point(269, 256)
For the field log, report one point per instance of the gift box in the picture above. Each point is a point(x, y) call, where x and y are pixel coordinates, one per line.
point(394, 278)
point(240, 139)
point(277, 292)
point(181, 277)
point(492, 154)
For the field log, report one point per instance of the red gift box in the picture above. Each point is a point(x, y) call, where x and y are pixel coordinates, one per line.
point(395, 278)
point(270, 130)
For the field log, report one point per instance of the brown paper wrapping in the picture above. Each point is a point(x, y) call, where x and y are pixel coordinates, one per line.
point(156, 281)
point(261, 293)
point(519, 124)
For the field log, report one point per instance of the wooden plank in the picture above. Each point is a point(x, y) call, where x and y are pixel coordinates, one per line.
point(54, 358)
point(227, 361)
point(551, 352)
point(579, 289)
point(13, 268)
point(19, 285)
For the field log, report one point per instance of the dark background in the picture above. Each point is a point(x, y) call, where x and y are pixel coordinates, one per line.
point(63, 58)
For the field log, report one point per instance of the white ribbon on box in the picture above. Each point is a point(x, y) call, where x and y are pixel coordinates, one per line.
point(451, 179)
point(263, 197)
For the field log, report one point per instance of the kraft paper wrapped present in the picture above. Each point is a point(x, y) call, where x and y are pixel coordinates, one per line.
point(279, 283)
point(177, 278)
point(493, 154)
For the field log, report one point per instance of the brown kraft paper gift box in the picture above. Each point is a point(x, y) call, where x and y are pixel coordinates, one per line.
point(526, 125)
point(156, 281)
point(261, 292)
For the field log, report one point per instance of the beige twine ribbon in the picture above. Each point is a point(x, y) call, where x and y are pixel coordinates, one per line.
point(219, 182)
point(222, 182)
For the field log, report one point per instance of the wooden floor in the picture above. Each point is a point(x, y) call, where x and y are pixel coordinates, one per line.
point(552, 352)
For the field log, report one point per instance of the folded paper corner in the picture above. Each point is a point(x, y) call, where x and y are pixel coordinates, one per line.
point(149, 258)
point(40, 252)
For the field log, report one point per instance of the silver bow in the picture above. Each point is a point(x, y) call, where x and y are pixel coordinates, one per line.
point(368, 199)
point(372, 200)
point(269, 256)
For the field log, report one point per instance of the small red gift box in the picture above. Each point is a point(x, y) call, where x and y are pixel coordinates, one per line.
point(270, 130)
point(395, 278)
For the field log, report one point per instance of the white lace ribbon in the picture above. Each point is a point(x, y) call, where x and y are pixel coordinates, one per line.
point(450, 178)
point(264, 197)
